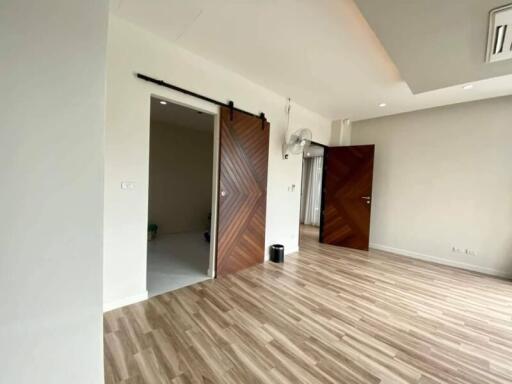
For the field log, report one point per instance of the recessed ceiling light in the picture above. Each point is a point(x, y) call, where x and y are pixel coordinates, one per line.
point(468, 86)
point(382, 105)
point(163, 102)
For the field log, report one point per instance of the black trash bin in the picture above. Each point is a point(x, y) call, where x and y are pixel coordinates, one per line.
point(277, 253)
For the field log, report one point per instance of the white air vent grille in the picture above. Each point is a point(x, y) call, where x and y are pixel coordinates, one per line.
point(499, 46)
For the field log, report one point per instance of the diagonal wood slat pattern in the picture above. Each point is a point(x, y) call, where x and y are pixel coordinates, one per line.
point(347, 191)
point(327, 315)
point(243, 178)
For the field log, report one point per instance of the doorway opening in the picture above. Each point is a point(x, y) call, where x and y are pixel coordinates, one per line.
point(180, 204)
point(311, 193)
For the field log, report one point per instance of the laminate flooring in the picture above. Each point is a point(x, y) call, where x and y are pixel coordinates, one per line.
point(327, 315)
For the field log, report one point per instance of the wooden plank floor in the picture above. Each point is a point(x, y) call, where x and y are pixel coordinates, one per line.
point(327, 315)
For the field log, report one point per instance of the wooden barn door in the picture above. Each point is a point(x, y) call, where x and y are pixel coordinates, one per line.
point(347, 196)
point(243, 165)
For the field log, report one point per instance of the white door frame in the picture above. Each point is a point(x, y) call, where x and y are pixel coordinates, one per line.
point(213, 110)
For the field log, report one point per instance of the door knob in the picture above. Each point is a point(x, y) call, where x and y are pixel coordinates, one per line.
point(223, 193)
point(366, 197)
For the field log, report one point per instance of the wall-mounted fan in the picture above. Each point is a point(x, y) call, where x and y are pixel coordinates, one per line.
point(297, 142)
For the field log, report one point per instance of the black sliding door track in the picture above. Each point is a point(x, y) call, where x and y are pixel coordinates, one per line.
point(229, 104)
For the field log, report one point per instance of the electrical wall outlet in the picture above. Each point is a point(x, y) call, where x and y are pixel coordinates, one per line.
point(467, 251)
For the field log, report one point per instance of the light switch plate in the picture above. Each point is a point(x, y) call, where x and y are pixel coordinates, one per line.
point(128, 185)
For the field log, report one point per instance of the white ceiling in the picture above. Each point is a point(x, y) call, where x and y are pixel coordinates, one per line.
point(179, 116)
point(444, 42)
point(321, 53)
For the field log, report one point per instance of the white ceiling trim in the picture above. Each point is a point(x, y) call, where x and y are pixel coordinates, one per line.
point(322, 54)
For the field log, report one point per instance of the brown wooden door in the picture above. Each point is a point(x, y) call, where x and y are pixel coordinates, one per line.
point(347, 194)
point(242, 191)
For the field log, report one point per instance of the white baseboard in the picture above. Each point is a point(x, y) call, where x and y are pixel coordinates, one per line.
point(126, 301)
point(291, 250)
point(439, 260)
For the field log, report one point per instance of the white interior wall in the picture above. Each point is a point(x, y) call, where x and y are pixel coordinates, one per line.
point(131, 49)
point(180, 178)
point(336, 133)
point(340, 133)
point(443, 179)
point(51, 200)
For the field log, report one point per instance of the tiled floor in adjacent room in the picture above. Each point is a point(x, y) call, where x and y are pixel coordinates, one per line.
point(175, 261)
